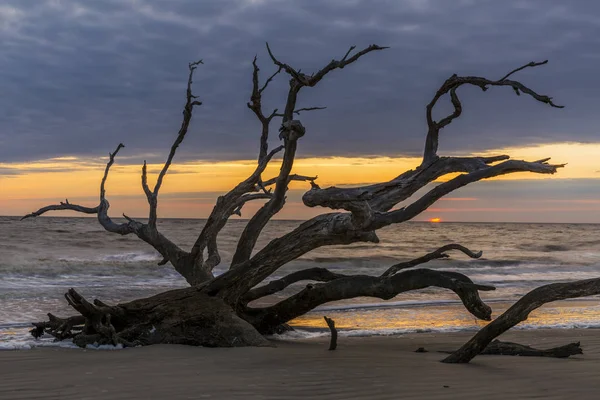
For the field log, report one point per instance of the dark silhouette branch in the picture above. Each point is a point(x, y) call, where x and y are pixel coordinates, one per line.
point(370, 286)
point(384, 196)
point(255, 105)
point(185, 123)
point(380, 220)
point(62, 206)
point(453, 83)
point(290, 132)
point(311, 274)
point(293, 177)
point(520, 311)
point(226, 206)
point(439, 253)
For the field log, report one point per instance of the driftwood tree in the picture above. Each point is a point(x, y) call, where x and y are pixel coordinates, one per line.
point(215, 311)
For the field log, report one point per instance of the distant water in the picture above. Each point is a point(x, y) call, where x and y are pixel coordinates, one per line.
point(41, 258)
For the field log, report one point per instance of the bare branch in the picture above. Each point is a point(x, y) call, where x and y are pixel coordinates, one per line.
point(381, 287)
point(298, 111)
point(100, 209)
point(311, 274)
point(341, 228)
point(293, 177)
point(322, 230)
point(384, 196)
point(60, 207)
point(111, 160)
point(520, 311)
point(262, 89)
point(380, 220)
point(255, 105)
point(249, 197)
point(291, 131)
point(453, 83)
point(291, 71)
point(312, 80)
point(439, 253)
point(227, 205)
point(187, 117)
point(531, 64)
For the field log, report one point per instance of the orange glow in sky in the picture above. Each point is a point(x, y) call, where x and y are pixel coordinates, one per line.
point(191, 187)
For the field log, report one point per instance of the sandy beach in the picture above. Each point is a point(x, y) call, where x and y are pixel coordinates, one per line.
point(361, 368)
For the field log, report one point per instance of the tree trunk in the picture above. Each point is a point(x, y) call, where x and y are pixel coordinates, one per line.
point(182, 316)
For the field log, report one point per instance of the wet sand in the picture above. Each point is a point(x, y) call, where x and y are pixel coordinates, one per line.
point(361, 368)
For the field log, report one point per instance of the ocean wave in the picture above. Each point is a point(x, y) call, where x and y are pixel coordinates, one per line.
point(129, 257)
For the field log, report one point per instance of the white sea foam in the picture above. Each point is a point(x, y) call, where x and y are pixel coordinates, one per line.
point(19, 338)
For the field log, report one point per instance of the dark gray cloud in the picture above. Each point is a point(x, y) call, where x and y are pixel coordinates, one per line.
point(78, 77)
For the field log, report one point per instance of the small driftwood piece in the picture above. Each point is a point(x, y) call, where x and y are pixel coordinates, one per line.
point(331, 325)
point(515, 349)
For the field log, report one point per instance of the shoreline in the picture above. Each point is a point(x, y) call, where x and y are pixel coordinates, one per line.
point(381, 367)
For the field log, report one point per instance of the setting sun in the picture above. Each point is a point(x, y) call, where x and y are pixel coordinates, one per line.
point(435, 220)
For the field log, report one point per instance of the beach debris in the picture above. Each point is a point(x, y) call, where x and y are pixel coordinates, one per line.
point(421, 350)
point(334, 333)
point(519, 312)
point(515, 349)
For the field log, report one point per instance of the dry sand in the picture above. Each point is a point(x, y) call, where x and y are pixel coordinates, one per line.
point(361, 368)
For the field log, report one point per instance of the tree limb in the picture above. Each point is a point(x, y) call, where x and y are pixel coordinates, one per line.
point(187, 117)
point(310, 274)
point(520, 311)
point(385, 287)
point(384, 196)
point(380, 220)
point(340, 228)
point(299, 110)
point(293, 177)
point(227, 205)
point(439, 253)
point(453, 83)
point(291, 131)
point(62, 206)
point(255, 105)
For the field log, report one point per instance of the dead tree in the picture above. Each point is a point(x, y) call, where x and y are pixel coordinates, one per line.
point(215, 311)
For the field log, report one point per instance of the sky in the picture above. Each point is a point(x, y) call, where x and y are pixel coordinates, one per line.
point(78, 77)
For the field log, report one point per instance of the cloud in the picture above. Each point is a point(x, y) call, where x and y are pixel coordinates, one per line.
point(81, 76)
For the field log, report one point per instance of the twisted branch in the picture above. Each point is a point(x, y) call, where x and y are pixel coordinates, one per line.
point(385, 287)
point(453, 83)
point(439, 253)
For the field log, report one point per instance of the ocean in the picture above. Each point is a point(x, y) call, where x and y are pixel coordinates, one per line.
point(41, 258)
